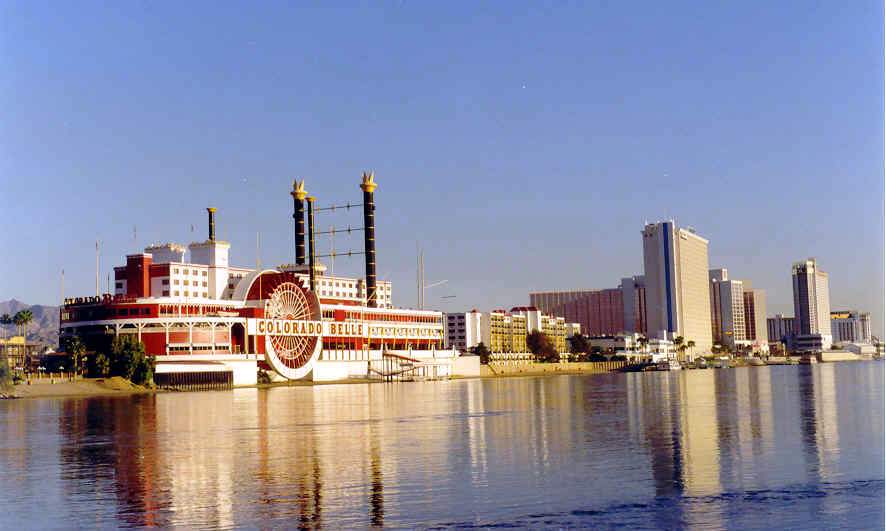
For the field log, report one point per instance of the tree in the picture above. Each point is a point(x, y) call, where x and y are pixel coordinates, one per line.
point(540, 345)
point(21, 319)
point(482, 351)
point(578, 344)
point(5, 375)
point(679, 345)
point(99, 366)
point(690, 345)
point(128, 359)
point(5, 320)
point(76, 353)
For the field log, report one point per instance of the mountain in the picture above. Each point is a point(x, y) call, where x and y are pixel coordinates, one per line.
point(44, 327)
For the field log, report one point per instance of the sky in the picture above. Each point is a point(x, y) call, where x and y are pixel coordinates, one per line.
point(522, 146)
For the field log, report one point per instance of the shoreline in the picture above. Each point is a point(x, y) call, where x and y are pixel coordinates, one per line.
point(117, 386)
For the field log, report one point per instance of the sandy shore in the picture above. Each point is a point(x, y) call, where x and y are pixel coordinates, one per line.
point(84, 387)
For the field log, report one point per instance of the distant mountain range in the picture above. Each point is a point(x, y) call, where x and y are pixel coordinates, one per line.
point(43, 328)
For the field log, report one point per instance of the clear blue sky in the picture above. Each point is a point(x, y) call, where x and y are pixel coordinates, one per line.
point(523, 145)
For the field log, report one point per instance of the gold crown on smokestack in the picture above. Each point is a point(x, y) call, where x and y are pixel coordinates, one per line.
point(298, 189)
point(368, 184)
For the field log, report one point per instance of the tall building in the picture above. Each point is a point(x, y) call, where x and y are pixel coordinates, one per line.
point(812, 304)
point(755, 316)
point(851, 326)
point(780, 328)
point(678, 296)
point(727, 309)
point(633, 297)
point(597, 311)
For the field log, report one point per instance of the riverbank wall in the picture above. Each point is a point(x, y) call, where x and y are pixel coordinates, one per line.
point(530, 368)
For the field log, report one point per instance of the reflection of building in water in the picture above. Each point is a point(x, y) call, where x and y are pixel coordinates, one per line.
point(477, 434)
point(655, 423)
point(121, 456)
point(745, 423)
point(827, 432)
point(700, 441)
point(199, 461)
point(287, 467)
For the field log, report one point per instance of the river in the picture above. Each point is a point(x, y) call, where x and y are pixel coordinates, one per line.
point(787, 447)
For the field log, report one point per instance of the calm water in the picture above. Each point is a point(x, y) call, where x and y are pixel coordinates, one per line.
point(798, 447)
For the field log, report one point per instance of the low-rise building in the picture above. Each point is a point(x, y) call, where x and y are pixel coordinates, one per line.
point(504, 331)
point(18, 352)
point(781, 329)
point(851, 326)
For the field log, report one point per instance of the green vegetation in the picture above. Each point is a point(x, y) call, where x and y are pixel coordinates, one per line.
point(541, 346)
point(483, 351)
point(578, 345)
point(126, 359)
point(98, 366)
point(5, 320)
point(5, 375)
point(21, 320)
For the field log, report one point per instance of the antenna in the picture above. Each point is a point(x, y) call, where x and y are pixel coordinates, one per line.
point(96, 269)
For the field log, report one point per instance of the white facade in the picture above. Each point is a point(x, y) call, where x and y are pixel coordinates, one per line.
point(462, 330)
point(851, 327)
point(573, 329)
point(727, 309)
point(678, 298)
point(812, 304)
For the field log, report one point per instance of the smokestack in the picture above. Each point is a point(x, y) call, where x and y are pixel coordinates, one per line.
point(312, 257)
point(368, 186)
point(211, 212)
point(298, 214)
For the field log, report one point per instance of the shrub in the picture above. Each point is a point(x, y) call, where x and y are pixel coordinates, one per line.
point(128, 359)
point(5, 375)
point(483, 352)
point(99, 366)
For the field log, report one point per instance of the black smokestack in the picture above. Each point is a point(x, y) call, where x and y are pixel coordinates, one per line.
point(298, 214)
point(368, 186)
point(312, 256)
point(211, 212)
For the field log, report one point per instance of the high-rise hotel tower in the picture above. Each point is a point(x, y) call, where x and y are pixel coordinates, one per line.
point(678, 296)
point(812, 302)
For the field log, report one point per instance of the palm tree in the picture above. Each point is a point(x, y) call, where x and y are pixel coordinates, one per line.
point(22, 318)
point(5, 320)
point(690, 345)
point(679, 346)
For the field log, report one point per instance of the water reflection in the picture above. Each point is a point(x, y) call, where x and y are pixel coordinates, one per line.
point(664, 449)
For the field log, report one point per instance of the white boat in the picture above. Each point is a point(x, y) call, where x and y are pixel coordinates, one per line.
point(669, 365)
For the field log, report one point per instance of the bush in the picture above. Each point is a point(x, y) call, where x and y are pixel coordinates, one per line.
point(540, 344)
point(99, 366)
point(483, 352)
point(5, 375)
point(128, 359)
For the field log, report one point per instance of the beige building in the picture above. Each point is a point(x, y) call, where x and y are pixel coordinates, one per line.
point(728, 325)
point(505, 332)
point(756, 329)
point(678, 296)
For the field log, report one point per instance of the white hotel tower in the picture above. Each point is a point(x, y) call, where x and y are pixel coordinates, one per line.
point(678, 295)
